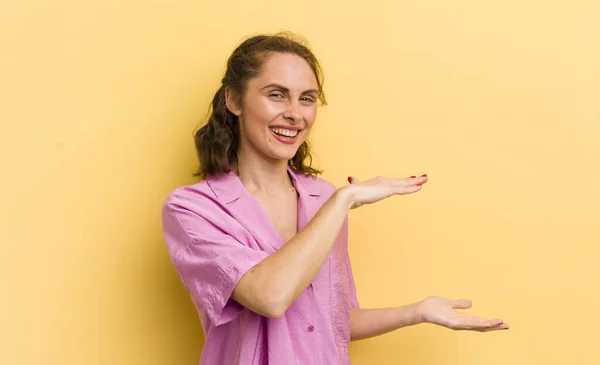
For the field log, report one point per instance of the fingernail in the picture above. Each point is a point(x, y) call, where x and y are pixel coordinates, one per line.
point(350, 179)
point(419, 184)
point(412, 177)
point(424, 175)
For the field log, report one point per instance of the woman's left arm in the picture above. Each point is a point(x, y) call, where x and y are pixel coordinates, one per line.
point(365, 323)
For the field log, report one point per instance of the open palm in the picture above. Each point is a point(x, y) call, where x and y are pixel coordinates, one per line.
point(442, 311)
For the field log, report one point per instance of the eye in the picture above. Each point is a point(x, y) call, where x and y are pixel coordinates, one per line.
point(276, 95)
point(308, 99)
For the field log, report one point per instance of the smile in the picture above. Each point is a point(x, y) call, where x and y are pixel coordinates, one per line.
point(285, 132)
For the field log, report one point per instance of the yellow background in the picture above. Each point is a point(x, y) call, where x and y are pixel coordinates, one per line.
point(498, 102)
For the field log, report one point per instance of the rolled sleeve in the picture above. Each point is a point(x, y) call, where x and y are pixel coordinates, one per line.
point(209, 261)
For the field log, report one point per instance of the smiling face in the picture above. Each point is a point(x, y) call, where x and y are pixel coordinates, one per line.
point(278, 108)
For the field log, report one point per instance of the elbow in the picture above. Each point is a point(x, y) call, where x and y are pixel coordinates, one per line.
point(274, 309)
point(274, 306)
point(267, 302)
point(273, 313)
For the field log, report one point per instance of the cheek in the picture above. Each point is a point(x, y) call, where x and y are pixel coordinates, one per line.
point(263, 111)
point(310, 115)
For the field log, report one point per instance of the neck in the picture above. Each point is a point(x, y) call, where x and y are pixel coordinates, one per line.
point(263, 176)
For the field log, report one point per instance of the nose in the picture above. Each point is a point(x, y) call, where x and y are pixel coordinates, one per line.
point(292, 113)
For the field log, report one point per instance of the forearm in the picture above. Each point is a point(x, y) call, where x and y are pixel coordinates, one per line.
point(274, 284)
point(365, 323)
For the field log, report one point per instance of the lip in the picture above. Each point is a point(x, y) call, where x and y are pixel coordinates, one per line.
point(286, 140)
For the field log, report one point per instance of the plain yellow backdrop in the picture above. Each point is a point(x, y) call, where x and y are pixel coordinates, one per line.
point(498, 102)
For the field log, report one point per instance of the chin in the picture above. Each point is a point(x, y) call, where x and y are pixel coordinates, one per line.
point(283, 155)
point(283, 152)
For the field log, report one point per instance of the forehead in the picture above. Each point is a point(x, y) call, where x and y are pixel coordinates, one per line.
point(288, 70)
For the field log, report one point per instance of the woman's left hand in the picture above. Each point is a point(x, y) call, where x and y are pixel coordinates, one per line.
point(442, 311)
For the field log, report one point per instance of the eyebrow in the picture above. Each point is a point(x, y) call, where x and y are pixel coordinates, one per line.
point(286, 90)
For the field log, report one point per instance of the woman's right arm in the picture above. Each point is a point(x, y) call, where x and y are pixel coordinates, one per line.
point(272, 286)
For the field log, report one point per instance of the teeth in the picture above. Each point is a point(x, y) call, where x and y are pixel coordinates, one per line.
point(285, 132)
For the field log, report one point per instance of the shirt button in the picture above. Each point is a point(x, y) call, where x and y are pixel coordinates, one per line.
point(311, 328)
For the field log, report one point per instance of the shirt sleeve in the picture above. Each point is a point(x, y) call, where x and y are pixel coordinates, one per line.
point(209, 261)
point(351, 284)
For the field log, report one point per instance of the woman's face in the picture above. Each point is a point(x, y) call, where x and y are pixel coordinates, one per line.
point(278, 108)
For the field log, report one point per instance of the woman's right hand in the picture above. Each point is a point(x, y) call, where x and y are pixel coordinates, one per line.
point(379, 188)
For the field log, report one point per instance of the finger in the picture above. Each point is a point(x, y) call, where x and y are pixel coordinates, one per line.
point(413, 180)
point(462, 304)
point(502, 327)
point(485, 325)
point(467, 322)
point(407, 186)
point(353, 180)
point(402, 190)
point(496, 322)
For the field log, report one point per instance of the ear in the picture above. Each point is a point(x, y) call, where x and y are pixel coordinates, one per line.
point(232, 102)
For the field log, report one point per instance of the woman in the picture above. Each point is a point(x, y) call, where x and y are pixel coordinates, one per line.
point(261, 242)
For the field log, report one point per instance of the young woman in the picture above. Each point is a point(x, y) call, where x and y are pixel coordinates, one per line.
point(261, 242)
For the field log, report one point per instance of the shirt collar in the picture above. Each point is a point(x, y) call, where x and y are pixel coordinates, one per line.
point(228, 187)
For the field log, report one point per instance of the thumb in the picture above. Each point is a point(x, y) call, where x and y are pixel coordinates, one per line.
point(462, 304)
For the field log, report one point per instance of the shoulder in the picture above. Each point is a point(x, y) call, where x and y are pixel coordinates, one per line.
point(193, 213)
point(196, 199)
point(189, 194)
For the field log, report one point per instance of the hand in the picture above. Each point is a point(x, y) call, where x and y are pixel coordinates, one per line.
point(441, 311)
point(379, 188)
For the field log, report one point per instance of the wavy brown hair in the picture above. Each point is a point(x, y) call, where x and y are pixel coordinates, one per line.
point(217, 142)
